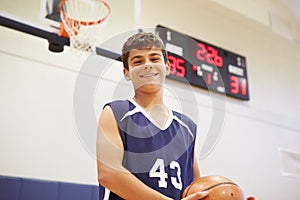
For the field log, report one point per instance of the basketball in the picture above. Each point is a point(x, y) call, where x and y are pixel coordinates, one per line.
point(220, 188)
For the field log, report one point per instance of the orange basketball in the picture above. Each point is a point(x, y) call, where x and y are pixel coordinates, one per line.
point(220, 188)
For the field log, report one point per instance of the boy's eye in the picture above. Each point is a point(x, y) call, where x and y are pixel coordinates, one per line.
point(137, 62)
point(155, 59)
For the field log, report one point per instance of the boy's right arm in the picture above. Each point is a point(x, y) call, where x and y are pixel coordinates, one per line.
point(111, 173)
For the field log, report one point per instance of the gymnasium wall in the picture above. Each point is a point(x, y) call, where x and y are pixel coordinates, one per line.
point(42, 99)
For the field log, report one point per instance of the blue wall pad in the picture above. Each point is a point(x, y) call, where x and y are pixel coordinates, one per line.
point(17, 188)
point(75, 192)
point(10, 188)
point(95, 193)
point(39, 190)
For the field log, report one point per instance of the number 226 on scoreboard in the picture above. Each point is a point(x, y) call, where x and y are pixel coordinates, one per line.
point(204, 65)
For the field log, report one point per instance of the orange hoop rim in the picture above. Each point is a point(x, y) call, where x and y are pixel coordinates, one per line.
point(84, 23)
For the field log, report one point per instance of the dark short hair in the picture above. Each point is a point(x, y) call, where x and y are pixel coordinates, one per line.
point(140, 41)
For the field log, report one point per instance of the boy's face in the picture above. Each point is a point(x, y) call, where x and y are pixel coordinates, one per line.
point(147, 68)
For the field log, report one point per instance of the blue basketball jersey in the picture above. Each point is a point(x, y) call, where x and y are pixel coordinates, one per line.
point(162, 158)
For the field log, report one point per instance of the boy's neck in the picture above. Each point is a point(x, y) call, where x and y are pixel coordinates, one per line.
point(145, 99)
point(153, 104)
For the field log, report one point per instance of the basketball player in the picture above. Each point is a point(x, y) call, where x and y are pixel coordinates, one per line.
point(144, 149)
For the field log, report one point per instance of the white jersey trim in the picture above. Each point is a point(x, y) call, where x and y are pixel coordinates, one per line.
point(138, 108)
point(183, 124)
point(106, 194)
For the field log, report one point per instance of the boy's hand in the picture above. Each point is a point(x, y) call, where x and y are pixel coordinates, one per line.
point(197, 196)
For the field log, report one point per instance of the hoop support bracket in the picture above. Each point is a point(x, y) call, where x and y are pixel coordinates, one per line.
point(56, 42)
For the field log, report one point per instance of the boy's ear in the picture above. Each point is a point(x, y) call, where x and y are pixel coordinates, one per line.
point(126, 74)
point(168, 68)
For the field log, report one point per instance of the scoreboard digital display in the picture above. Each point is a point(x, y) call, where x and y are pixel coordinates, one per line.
point(204, 65)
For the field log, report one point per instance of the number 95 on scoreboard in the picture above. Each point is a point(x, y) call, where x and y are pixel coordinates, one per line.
point(204, 65)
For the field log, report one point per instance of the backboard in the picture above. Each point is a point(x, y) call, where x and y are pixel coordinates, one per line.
point(49, 13)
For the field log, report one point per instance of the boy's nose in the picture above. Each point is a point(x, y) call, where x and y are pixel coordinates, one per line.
point(148, 66)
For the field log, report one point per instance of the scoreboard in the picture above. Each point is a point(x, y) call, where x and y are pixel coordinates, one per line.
point(205, 65)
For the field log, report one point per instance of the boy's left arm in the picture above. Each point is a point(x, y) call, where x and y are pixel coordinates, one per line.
point(196, 167)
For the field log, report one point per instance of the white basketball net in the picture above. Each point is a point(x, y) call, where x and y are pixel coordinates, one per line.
point(82, 19)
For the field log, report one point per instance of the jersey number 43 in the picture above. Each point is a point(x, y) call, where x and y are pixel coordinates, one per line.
point(158, 171)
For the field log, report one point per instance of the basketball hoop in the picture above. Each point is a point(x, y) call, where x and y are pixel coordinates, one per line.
point(80, 20)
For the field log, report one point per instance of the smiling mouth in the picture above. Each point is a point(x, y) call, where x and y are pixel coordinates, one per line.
point(148, 75)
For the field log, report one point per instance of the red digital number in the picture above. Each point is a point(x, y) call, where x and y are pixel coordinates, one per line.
point(234, 85)
point(200, 53)
point(238, 85)
point(244, 86)
point(211, 54)
point(209, 80)
point(218, 61)
point(208, 54)
point(176, 66)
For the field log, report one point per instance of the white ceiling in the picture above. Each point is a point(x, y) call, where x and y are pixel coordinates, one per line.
point(282, 16)
point(293, 6)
